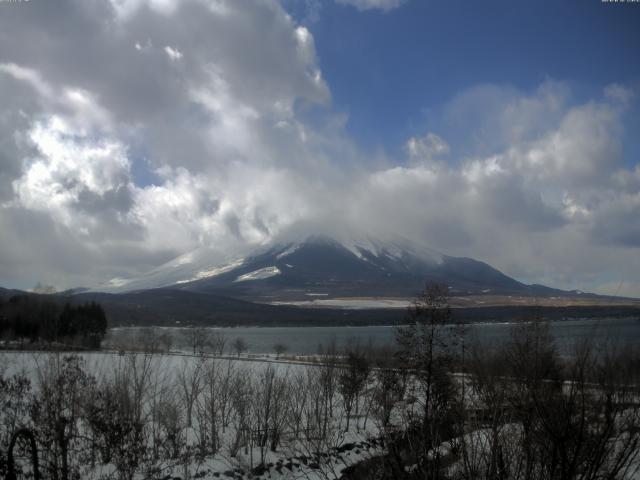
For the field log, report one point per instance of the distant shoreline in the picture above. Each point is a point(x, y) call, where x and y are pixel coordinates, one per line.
point(498, 322)
point(326, 317)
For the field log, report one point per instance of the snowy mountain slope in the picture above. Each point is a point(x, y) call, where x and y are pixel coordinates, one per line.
point(320, 265)
point(190, 267)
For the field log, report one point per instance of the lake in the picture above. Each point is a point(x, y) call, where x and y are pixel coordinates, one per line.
point(306, 340)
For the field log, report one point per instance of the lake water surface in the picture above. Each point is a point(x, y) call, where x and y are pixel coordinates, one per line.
point(306, 340)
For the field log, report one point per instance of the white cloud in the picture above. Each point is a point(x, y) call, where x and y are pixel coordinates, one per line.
point(126, 8)
point(135, 162)
point(68, 165)
point(384, 5)
point(426, 148)
point(619, 93)
point(28, 76)
point(218, 137)
point(173, 53)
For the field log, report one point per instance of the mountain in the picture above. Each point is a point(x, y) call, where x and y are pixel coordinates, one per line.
point(354, 280)
point(323, 267)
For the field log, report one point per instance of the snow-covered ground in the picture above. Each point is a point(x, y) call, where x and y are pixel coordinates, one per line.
point(176, 415)
point(184, 400)
point(260, 274)
point(352, 303)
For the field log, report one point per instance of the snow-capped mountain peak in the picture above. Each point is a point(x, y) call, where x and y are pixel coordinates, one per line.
point(322, 265)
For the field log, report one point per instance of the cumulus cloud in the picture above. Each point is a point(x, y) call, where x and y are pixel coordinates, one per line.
point(426, 148)
point(181, 95)
point(150, 128)
point(548, 204)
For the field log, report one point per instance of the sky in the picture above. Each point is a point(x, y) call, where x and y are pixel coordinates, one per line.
point(135, 131)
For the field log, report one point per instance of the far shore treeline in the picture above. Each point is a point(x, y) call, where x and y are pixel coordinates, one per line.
point(36, 320)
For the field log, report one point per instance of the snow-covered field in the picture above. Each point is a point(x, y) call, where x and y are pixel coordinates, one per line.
point(353, 303)
point(193, 416)
point(127, 415)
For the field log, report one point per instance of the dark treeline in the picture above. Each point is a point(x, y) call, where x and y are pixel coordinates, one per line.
point(36, 319)
point(170, 307)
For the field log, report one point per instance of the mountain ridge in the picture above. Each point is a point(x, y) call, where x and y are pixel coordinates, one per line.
point(322, 265)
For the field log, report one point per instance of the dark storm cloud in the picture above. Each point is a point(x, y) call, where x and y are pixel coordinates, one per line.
point(619, 223)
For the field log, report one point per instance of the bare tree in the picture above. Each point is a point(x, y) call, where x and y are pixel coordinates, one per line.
point(486, 408)
point(228, 374)
point(169, 418)
point(538, 415)
point(153, 340)
point(189, 383)
point(116, 422)
point(321, 430)
point(63, 385)
point(280, 411)
point(427, 349)
point(352, 380)
point(329, 358)
point(165, 340)
point(15, 393)
point(213, 404)
point(242, 392)
point(388, 390)
point(161, 384)
point(196, 338)
point(270, 409)
point(239, 346)
point(298, 399)
point(280, 348)
point(217, 342)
